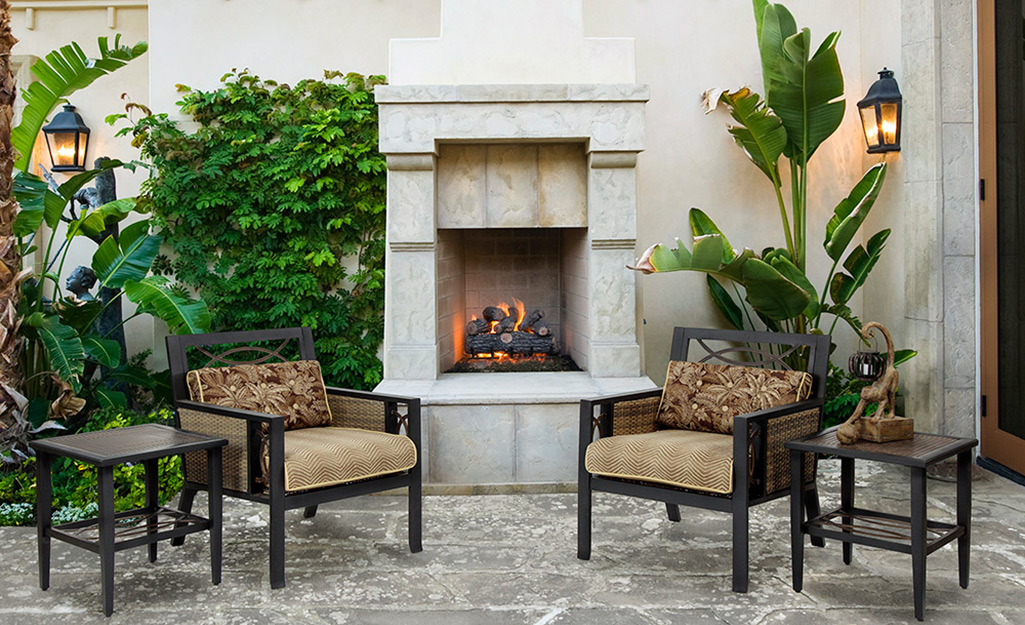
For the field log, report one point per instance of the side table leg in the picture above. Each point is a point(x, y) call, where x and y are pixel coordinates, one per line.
point(847, 501)
point(152, 502)
point(918, 521)
point(44, 514)
point(964, 514)
point(214, 510)
point(106, 528)
point(797, 518)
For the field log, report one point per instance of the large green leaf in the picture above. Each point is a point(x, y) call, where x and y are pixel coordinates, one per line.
point(903, 355)
point(850, 213)
point(858, 265)
point(78, 316)
point(115, 264)
point(782, 263)
point(769, 292)
point(183, 316)
point(701, 225)
point(760, 134)
point(804, 89)
point(104, 351)
point(39, 203)
point(729, 308)
point(95, 222)
point(63, 347)
point(60, 74)
point(844, 312)
point(109, 398)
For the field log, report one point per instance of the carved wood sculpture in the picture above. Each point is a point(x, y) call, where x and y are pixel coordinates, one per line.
point(882, 425)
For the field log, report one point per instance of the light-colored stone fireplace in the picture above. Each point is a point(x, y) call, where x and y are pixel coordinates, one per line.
point(501, 188)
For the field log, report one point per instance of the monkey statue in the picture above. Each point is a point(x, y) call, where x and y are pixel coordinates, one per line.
point(883, 390)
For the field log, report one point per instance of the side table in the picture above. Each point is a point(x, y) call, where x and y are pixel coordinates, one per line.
point(112, 532)
point(914, 534)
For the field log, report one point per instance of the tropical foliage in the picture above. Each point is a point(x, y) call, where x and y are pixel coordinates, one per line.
point(66, 363)
point(273, 204)
point(803, 107)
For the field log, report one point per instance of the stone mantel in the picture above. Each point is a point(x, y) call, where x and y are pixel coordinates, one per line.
point(606, 117)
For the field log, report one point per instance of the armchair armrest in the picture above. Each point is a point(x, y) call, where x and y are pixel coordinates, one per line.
point(374, 411)
point(758, 439)
point(626, 413)
point(242, 428)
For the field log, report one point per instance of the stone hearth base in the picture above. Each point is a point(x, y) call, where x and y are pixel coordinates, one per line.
point(504, 428)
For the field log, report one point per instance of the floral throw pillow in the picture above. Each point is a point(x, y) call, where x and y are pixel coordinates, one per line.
point(294, 390)
point(706, 397)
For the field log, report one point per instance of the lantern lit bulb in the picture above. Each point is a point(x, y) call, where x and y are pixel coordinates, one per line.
point(66, 153)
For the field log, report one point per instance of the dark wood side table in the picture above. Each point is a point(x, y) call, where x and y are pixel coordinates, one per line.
point(914, 534)
point(112, 532)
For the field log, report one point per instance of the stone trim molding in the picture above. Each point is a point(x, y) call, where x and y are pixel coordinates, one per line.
point(612, 160)
point(412, 246)
point(411, 162)
point(440, 94)
point(614, 244)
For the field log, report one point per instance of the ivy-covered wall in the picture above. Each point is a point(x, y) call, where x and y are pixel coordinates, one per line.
point(272, 203)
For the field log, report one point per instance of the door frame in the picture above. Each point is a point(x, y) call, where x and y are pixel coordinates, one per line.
point(997, 445)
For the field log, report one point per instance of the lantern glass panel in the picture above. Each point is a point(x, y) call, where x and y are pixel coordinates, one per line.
point(870, 124)
point(63, 148)
point(888, 122)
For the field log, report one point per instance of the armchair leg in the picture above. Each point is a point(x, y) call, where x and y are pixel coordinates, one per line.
point(185, 505)
point(673, 511)
point(812, 510)
point(309, 512)
point(584, 516)
point(277, 542)
point(415, 511)
point(740, 543)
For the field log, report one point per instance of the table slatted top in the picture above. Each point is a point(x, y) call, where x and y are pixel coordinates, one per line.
point(920, 451)
point(129, 444)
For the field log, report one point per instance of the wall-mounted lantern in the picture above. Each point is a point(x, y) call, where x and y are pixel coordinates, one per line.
point(880, 114)
point(67, 138)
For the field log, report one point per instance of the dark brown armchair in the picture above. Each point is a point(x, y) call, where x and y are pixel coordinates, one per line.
point(722, 456)
point(292, 442)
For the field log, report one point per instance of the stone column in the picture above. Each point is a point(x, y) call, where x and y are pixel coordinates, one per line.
point(411, 331)
point(612, 236)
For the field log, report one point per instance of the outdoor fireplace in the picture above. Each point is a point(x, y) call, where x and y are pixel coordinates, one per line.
point(501, 191)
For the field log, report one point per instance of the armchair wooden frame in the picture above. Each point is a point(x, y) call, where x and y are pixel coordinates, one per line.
point(244, 431)
point(757, 449)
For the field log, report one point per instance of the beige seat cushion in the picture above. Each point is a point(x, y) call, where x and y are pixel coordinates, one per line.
point(706, 397)
point(294, 390)
point(325, 456)
point(685, 458)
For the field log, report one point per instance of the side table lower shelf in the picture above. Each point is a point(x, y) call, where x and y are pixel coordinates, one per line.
point(879, 529)
point(132, 528)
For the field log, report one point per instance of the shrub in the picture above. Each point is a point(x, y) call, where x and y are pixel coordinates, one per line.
point(74, 483)
point(273, 206)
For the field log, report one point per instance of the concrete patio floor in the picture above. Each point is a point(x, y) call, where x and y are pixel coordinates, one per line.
point(511, 559)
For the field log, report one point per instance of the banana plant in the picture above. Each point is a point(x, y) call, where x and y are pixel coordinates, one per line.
point(66, 363)
point(802, 108)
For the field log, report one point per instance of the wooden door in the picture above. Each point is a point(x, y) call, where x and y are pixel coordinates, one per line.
point(1002, 229)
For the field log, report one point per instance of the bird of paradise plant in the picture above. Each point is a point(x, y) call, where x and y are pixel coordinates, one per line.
point(802, 108)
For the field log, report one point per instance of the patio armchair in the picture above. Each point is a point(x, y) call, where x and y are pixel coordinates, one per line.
point(713, 438)
point(292, 441)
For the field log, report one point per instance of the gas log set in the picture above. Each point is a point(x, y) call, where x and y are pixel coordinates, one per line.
point(509, 332)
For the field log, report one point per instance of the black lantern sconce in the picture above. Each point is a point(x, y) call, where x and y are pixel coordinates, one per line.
point(880, 114)
point(67, 138)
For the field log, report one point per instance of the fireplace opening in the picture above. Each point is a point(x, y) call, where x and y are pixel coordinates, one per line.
point(507, 338)
point(512, 299)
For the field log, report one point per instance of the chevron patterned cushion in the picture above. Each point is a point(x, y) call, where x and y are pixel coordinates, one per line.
point(294, 390)
point(684, 458)
point(317, 457)
point(706, 397)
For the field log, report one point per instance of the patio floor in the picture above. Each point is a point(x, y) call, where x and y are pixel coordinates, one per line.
point(510, 559)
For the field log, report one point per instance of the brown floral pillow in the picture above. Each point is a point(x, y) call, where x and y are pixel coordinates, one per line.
point(294, 390)
point(706, 397)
